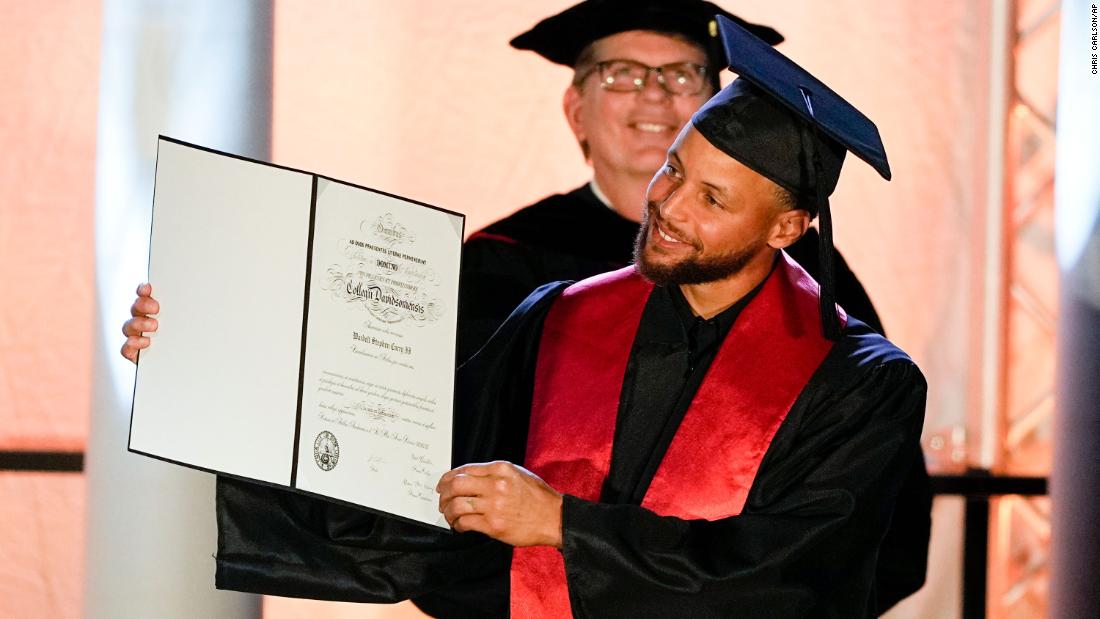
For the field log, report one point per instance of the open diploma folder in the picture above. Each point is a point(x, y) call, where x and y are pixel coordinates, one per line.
point(307, 332)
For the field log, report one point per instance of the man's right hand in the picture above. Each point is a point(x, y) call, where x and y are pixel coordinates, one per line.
point(142, 321)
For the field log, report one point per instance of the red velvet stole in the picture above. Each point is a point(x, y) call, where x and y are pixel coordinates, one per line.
point(765, 361)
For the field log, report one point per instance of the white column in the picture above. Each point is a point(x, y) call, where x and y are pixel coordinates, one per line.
point(1075, 479)
point(198, 70)
point(986, 432)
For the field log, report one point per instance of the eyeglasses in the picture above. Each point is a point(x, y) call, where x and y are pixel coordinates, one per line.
point(677, 78)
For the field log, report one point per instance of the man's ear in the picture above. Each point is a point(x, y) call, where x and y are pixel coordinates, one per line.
point(789, 226)
point(572, 106)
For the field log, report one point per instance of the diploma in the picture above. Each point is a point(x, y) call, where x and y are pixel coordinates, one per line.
point(307, 332)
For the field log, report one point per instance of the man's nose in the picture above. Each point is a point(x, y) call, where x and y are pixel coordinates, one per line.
point(660, 187)
point(651, 89)
point(672, 207)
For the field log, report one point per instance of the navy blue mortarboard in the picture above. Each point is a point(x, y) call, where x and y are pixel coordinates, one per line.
point(786, 125)
point(561, 38)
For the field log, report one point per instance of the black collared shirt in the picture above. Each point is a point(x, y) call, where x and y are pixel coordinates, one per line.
point(672, 351)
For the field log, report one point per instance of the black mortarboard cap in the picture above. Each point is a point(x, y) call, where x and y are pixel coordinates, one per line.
point(560, 38)
point(786, 125)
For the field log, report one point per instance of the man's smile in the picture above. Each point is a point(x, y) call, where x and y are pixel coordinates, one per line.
point(652, 127)
point(666, 236)
point(669, 238)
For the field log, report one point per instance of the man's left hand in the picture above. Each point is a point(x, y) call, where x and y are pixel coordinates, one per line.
point(502, 500)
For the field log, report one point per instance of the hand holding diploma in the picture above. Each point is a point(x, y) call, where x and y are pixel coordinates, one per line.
point(141, 321)
point(504, 501)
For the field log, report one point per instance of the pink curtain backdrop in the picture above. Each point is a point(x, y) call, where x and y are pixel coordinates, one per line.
point(427, 100)
point(50, 65)
point(49, 72)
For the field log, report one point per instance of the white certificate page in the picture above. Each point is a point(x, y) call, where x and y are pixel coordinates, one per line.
point(378, 386)
point(228, 250)
point(307, 332)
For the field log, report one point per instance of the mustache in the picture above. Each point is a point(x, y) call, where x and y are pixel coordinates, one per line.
point(653, 215)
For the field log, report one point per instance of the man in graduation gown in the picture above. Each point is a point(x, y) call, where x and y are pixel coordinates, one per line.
point(625, 120)
point(707, 435)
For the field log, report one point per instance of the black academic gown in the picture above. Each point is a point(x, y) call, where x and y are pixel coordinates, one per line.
point(573, 236)
point(805, 544)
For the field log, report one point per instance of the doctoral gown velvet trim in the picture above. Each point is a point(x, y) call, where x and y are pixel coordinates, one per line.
point(762, 366)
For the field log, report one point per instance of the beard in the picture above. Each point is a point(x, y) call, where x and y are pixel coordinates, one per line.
point(693, 269)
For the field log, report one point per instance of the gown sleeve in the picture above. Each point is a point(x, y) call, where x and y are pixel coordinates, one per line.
point(903, 556)
point(275, 541)
point(807, 539)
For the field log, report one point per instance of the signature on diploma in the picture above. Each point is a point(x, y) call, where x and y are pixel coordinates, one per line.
point(375, 463)
point(419, 490)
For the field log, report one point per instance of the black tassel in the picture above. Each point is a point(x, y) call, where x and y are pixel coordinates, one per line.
point(830, 322)
point(811, 138)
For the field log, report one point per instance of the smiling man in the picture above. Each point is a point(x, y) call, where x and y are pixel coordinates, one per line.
point(683, 246)
point(641, 68)
point(703, 434)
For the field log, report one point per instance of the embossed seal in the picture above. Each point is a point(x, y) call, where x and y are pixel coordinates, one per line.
point(326, 451)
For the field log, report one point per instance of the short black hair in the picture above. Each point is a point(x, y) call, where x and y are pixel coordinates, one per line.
point(784, 199)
